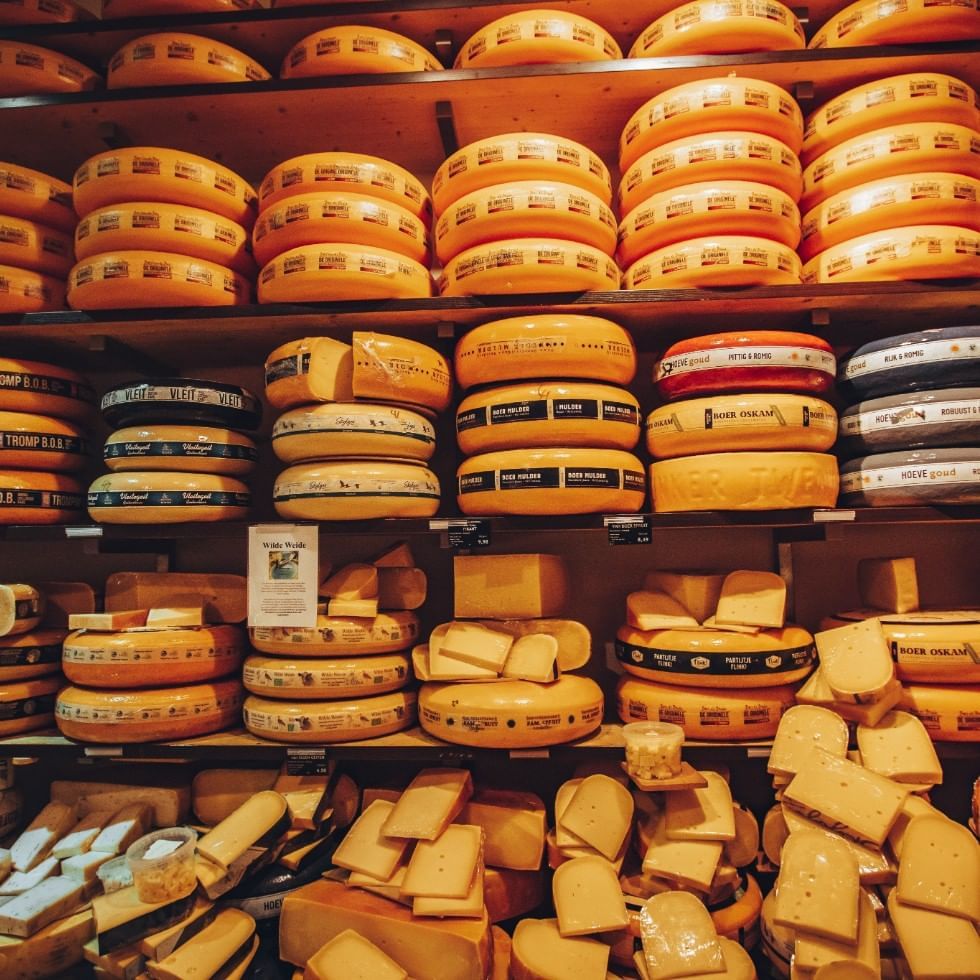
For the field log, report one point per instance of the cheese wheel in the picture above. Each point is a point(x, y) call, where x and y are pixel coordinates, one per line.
point(39, 442)
point(912, 479)
point(551, 481)
point(148, 715)
point(718, 260)
point(47, 389)
point(28, 497)
point(738, 423)
point(30, 655)
point(307, 679)
point(26, 69)
point(949, 714)
point(352, 429)
point(706, 714)
point(340, 636)
point(26, 193)
point(525, 209)
point(162, 8)
point(133, 658)
point(547, 345)
point(909, 22)
point(529, 265)
point(744, 481)
point(39, 12)
point(358, 219)
point(181, 401)
point(326, 722)
point(355, 50)
point(355, 490)
point(512, 714)
point(29, 245)
point(396, 369)
point(27, 705)
point(156, 497)
point(22, 291)
point(188, 448)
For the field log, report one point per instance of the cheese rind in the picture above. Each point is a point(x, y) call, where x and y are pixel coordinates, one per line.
point(540, 952)
point(203, 449)
point(355, 50)
point(862, 23)
point(344, 677)
point(948, 713)
point(389, 368)
point(155, 497)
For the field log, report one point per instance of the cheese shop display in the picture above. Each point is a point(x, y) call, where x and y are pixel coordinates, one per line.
point(195, 448)
point(26, 69)
point(915, 22)
point(39, 12)
point(912, 478)
point(39, 442)
point(355, 50)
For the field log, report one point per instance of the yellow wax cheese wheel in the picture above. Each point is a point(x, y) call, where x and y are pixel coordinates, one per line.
point(30, 655)
point(165, 497)
point(400, 370)
point(340, 636)
point(551, 481)
point(512, 714)
point(355, 429)
point(736, 423)
point(160, 8)
point(949, 714)
point(147, 280)
point(26, 69)
point(356, 489)
point(120, 716)
point(907, 22)
point(914, 252)
point(28, 245)
point(548, 413)
point(538, 37)
point(39, 442)
point(723, 207)
point(358, 219)
point(718, 260)
point(706, 714)
point(27, 705)
point(330, 721)
point(28, 497)
point(744, 481)
point(754, 157)
point(39, 12)
point(29, 194)
point(188, 448)
point(46, 389)
point(312, 679)
point(152, 173)
point(519, 157)
point(355, 50)
point(165, 228)
point(721, 27)
point(135, 658)
point(23, 291)
point(529, 265)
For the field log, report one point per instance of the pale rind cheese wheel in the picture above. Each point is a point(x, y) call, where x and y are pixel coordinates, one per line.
point(355, 50)
point(39, 12)
point(744, 481)
point(40, 442)
point(23, 291)
point(46, 389)
point(949, 714)
point(529, 265)
point(181, 401)
point(165, 497)
point(908, 22)
point(397, 369)
point(188, 448)
point(121, 716)
point(538, 37)
point(548, 413)
point(28, 245)
point(29, 194)
point(355, 489)
point(340, 636)
point(358, 219)
point(28, 497)
point(27, 705)
point(916, 478)
point(551, 481)
point(30, 655)
point(737, 423)
point(328, 722)
point(162, 8)
point(180, 59)
point(26, 69)
point(512, 714)
point(525, 209)
point(132, 657)
point(308, 679)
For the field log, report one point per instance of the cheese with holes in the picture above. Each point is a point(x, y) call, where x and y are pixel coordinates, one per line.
point(920, 477)
point(29, 655)
point(801, 729)
point(857, 960)
point(349, 956)
point(355, 50)
point(935, 944)
point(679, 938)
point(541, 952)
point(39, 12)
point(26, 705)
point(445, 866)
point(26, 69)
point(29, 245)
point(340, 636)
point(181, 400)
point(28, 497)
point(523, 586)
point(914, 22)
point(30, 194)
point(690, 863)
point(45, 389)
point(514, 825)
point(701, 813)
point(899, 747)
point(315, 679)
point(874, 866)
point(188, 448)
point(599, 813)
point(587, 897)
point(949, 714)
point(24, 291)
point(157, 497)
point(752, 598)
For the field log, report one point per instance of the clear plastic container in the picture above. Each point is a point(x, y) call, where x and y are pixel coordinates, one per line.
point(162, 864)
point(653, 749)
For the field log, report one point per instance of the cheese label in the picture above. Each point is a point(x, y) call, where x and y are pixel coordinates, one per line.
point(725, 357)
point(200, 450)
point(168, 498)
point(552, 478)
point(41, 499)
point(46, 385)
point(340, 631)
point(542, 410)
point(323, 720)
point(717, 664)
point(43, 704)
point(352, 421)
point(927, 352)
point(912, 475)
point(932, 721)
point(906, 416)
point(188, 707)
point(151, 653)
point(762, 414)
point(43, 442)
point(21, 656)
point(196, 394)
point(287, 367)
point(539, 722)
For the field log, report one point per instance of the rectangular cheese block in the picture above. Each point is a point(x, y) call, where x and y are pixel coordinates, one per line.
point(477, 645)
point(349, 956)
point(509, 586)
point(657, 611)
point(856, 661)
point(899, 747)
point(514, 827)
point(444, 867)
point(679, 938)
point(752, 598)
point(587, 897)
point(18, 882)
point(261, 819)
point(358, 608)
point(701, 813)
point(123, 828)
point(430, 803)
point(889, 584)
point(367, 848)
point(936, 946)
point(874, 866)
point(183, 616)
point(470, 906)
point(697, 592)
point(121, 918)
point(51, 951)
point(600, 813)
point(170, 799)
point(215, 951)
point(533, 658)
point(402, 588)
point(687, 862)
point(108, 622)
point(61, 599)
point(84, 867)
point(41, 834)
point(355, 581)
point(812, 951)
point(53, 898)
point(224, 597)
point(79, 839)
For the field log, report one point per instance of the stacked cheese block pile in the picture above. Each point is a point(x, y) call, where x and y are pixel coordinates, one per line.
point(745, 426)
point(891, 182)
point(160, 227)
point(357, 426)
point(496, 676)
point(867, 22)
point(524, 213)
point(711, 653)
point(342, 226)
point(710, 181)
point(911, 435)
point(26, 69)
point(355, 50)
point(176, 453)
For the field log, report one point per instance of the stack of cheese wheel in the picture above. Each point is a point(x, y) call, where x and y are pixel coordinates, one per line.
point(549, 427)
point(161, 8)
point(744, 425)
point(43, 411)
point(911, 433)
point(177, 453)
point(524, 213)
point(39, 12)
point(355, 50)
point(26, 69)
point(342, 226)
point(496, 676)
point(356, 426)
point(891, 185)
point(160, 227)
point(710, 181)
point(345, 679)
point(910, 22)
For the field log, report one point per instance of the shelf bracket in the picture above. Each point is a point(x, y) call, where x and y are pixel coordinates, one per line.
point(117, 350)
point(819, 318)
point(802, 14)
point(803, 91)
point(445, 46)
point(447, 127)
point(113, 136)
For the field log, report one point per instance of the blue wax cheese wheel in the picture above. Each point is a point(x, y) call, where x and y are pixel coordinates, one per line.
point(909, 479)
point(181, 401)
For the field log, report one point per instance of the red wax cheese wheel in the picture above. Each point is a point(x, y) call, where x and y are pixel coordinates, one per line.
point(28, 245)
point(29, 194)
point(28, 497)
point(23, 291)
point(39, 442)
point(26, 69)
point(47, 389)
point(38, 12)
point(354, 50)
point(908, 22)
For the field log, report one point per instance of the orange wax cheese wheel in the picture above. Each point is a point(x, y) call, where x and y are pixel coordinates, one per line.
point(30, 655)
point(146, 280)
point(538, 37)
point(28, 245)
point(119, 716)
point(152, 173)
point(38, 12)
point(396, 369)
point(39, 442)
point(908, 22)
point(340, 636)
point(26, 193)
point(26, 69)
point(47, 389)
point(949, 714)
point(529, 265)
point(27, 705)
point(517, 157)
point(161, 8)
point(188, 448)
point(28, 497)
point(23, 291)
point(343, 677)
point(358, 219)
point(166, 497)
point(355, 50)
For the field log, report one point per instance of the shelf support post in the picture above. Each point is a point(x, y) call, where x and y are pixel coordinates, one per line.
point(445, 46)
point(447, 127)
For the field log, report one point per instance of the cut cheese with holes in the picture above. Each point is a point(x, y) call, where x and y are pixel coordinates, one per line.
point(874, 866)
point(445, 866)
point(355, 50)
point(701, 813)
point(679, 938)
point(30, 194)
point(689, 863)
point(30, 655)
point(24, 291)
point(340, 636)
point(430, 803)
point(587, 897)
point(857, 960)
point(181, 400)
point(188, 448)
point(752, 598)
point(396, 369)
point(524, 586)
point(39, 498)
point(26, 69)
point(155, 497)
point(949, 714)
point(801, 729)
point(29, 245)
point(541, 952)
point(914, 22)
point(899, 747)
point(599, 813)
point(935, 945)
point(39, 12)
point(916, 478)
point(314, 679)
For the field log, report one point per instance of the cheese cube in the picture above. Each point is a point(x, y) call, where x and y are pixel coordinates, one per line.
point(44, 831)
point(697, 592)
point(701, 813)
point(366, 847)
point(751, 598)
point(514, 827)
point(899, 747)
point(53, 898)
point(657, 611)
point(936, 946)
point(444, 867)
point(679, 938)
point(509, 586)
point(533, 658)
point(430, 803)
point(349, 956)
point(691, 863)
point(856, 661)
point(588, 898)
point(600, 813)
point(800, 729)
point(889, 584)
point(477, 645)
point(540, 950)
point(354, 581)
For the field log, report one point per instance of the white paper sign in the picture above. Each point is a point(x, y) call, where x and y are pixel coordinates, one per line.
point(283, 574)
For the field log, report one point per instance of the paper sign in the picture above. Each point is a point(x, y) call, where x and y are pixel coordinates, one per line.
point(283, 574)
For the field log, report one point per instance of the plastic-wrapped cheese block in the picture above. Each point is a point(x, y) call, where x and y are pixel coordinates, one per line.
point(159, 8)
point(949, 714)
point(23, 291)
point(355, 50)
point(28, 497)
point(911, 22)
point(27, 705)
point(309, 679)
point(188, 448)
point(29, 194)
point(26, 69)
point(340, 636)
point(39, 12)
point(909, 479)
point(181, 401)
point(159, 497)
point(29, 245)
point(400, 370)
point(39, 442)
point(47, 389)
point(30, 655)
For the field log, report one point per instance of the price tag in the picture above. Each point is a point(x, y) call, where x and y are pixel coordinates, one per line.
point(463, 534)
point(307, 762)
point(629, 529)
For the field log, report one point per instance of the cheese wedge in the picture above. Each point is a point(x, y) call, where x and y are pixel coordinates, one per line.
point(44, 831)
point(215, 951)
point(890, 584)
point(657, 611)
point(751, 598)
point(600, 814)
point(429, 804)
point(811, 952)
point(367, 848)
point(79, 839)
point(856, 661)
point(935, 945)
point(533, 658)
point(800, 729)
point(874, 868)
point(899, 747)
point(691, 863)
point(540, 952)
point(349, 956)
point(471, 906)
point(701, 813)
point(123, 828)
point(679, 938)
point(697, 592)
point(264, 815)
point(514, 826)
point(914, 806)
point(53, 898)
point(352, 582)
point(431, 665)
point(445, 867)
point(477, 645)
point(21, 606)
point(588, 898)
point(401, 588)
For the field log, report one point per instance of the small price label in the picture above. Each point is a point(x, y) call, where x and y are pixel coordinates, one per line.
point(463, 534)
point(307, 762)
point(629, 529)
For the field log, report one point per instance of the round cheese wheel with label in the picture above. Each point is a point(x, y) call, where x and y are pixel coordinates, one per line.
point(181, 400)
point(548, 413)
point(744, 481)
point(308, 679)
point(396, 369)
point(529, 265)
point(356, 489)
point(26, 69)
point(158, 497)
point(340, 636)
point(910, 22)
point(162, 8)
point(949, 714)
point(26, 193)
point(355, 50)
point(188, 448)
point(30, 655)
point(736, 423)
point(921, 477)
point(512, 714)
point(39, 12)
point(28, 497)
point(550, 481)
point(23, 291)
point(39, 442)
point(29, 245)
point(27, 705)
point(46, 389)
